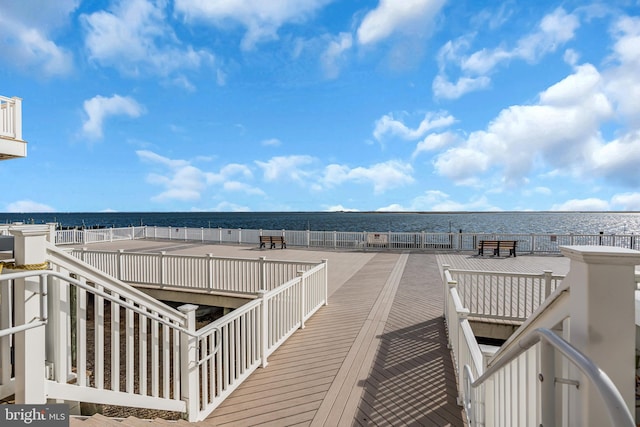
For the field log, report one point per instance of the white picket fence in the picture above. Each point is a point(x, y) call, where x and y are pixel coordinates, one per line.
point(527, 243)
point(164, 362)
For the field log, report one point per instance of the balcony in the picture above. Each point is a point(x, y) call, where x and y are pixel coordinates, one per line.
point(11, 143)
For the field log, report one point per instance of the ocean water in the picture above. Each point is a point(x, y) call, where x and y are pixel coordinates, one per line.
point(468, 222)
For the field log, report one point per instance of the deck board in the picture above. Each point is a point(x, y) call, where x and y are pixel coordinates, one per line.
point(376, 355)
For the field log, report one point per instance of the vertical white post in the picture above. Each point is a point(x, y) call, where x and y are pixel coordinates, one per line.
point(29, 248)
point(161, 268)
point(57, 343)
point(326, 281)
point(302, 296)
point(262, 282)
point(190, 389)
point(547, 283)
point(602, 316)
point(210, 272)
point(17, 116)
point(264, 327)
point(120, 264)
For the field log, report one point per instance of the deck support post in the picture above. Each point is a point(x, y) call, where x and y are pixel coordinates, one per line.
point(30, 344)
point(602, 324)
point(189, 389)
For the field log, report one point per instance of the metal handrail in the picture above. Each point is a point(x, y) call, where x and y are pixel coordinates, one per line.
point(618, 411)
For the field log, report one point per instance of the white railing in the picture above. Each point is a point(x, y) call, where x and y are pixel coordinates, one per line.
point(536, 352)
point(253, 332)
point(11, 118)
point(197, 272)
point(164, 362)
point(503, 295)
point(534, 378)
point(527, 243)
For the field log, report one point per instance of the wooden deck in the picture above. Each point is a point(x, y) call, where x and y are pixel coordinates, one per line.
point(375, 356)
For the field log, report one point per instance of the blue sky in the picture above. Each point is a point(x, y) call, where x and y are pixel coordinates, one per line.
point(315, 105)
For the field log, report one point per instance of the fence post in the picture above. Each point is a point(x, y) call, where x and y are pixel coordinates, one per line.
point(120, 263)
point(210, 261)
point(335, 239)
point(202, 234)
point(547, 283)
point(302, 304)
point(29, 345)
point(190, 389)
point(162, 268)
point(445, 268)
point(264, 326)
point(262, 271)
point(547, 379)
point(326, 281)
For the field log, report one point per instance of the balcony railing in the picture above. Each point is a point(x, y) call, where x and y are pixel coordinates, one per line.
point(11, 118)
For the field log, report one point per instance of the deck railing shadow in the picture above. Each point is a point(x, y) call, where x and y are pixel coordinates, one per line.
point(406, 385)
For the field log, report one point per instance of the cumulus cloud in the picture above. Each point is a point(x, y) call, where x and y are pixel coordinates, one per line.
point(388, 125)
point(262, 19)
point(135, 38)
point(183, 181)
point(383, 176)
point(26, 40)
point(435, 141)
point(413, 17)
point(559, 131)
point(287, 168)
point(553, 31)
point(626, 201)
point(21, 206)
point(100, 108)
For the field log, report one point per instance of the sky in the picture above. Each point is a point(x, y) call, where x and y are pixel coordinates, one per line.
point(321, 105)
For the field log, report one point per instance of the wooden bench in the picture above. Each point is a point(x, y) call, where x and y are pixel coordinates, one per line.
point(272, 240)
point(496, 245)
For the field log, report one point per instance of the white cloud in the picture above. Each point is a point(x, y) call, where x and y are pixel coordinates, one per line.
point(262, 19)
point(333, 57)
point(99, 108)
point(339, 208)
point(185, 182)
point(435, 141)
point(135, 39)
point(230, 207)
point(554, 30)
point(21, 206)
point(589, 204)
point(626, 201)
point(439, 201)
point(443, 88)
point(287, 168)
point(383, 176)
point(241, 187)
point(26, 41)
point(623, 80)
point(388, 125)
point(412, 17)
point(618, 160)
point(272, 142)
point(561, 131)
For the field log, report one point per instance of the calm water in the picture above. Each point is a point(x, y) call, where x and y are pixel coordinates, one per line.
point(499, 222)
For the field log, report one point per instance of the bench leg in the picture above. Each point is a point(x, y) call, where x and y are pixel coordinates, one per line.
point(261, 245)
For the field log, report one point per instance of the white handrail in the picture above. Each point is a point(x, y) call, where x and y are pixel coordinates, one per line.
point(618, 411)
